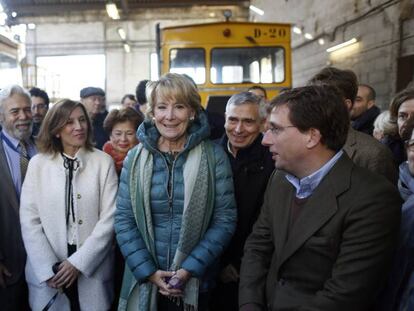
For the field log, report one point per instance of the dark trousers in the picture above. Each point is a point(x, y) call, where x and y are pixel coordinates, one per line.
point(119, 274)
point(225, 297)
point(164, 304)
point(72, 291)
point(15, 297)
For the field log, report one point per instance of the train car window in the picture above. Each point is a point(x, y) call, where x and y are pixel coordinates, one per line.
point(189, 61)
point(247, 65)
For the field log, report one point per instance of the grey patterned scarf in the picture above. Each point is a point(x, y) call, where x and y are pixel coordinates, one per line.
point(198, 208)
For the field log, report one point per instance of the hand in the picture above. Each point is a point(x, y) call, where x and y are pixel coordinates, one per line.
point(50, 283)
point(66, 275)
point(159, 279)
point(3, 274)
point(229, 274)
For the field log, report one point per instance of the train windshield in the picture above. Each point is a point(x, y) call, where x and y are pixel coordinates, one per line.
point(247, 65)
point(190, 62)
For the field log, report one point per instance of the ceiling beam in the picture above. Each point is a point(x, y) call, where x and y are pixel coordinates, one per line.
point(40, 9)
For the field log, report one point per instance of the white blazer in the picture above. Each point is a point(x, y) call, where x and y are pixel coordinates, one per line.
point(43, 223)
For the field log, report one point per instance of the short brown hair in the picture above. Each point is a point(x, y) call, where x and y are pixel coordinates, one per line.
point(173, 85)
point(319, 107)
point(53, 123)
point(116, 116)
point(398, 100)
point(344, 80)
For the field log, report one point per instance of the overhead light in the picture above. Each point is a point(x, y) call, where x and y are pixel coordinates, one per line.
point(112, 10)
point(127, 48)
point(122, 33)
point(308, 36)
point(1, 8)
point(212, 14)
point(341, 45)
point(256, 10)
point(321, 41)
point(297, 30)
point(31, 26)
point(14, 14)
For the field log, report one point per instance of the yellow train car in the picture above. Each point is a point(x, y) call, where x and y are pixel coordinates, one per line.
point(225, 58)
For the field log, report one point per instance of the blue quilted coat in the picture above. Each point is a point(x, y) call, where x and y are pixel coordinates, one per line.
point(167, 221)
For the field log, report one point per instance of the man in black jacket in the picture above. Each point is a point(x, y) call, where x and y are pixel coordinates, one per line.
point(93, 98)
point(364, 112)
point(252, 166)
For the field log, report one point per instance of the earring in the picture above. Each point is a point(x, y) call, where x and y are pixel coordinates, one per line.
point(192, 118)
point(153, 120)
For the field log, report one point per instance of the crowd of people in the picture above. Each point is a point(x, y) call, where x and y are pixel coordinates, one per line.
point(305, 202)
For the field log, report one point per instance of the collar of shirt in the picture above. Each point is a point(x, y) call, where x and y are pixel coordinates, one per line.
point(229, 149)
point(13, 158)
point(31, 148)
point(15, 142)
point(307, 185)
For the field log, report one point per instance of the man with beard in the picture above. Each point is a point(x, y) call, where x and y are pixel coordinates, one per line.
point(40, 106)
point(364, 112)
point(16, 149)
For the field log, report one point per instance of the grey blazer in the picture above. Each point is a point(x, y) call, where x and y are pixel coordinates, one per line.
point(12, 252)
point(365, 151)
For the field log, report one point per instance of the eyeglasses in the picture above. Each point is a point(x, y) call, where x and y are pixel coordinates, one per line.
point(276, 130)
point(39, 106)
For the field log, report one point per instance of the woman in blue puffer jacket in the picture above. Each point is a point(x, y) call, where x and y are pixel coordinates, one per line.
point(175, 208)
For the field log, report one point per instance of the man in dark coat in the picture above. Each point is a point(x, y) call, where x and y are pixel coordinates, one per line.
point(327, 228)
point(93, 98)
point(16, 148)
point(252, 166)
point(363, 149)
point(364, 112)
point(40, 106)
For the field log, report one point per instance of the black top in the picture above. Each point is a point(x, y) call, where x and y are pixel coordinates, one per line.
point(365, 122)
point(99, 134)
point(251, 168)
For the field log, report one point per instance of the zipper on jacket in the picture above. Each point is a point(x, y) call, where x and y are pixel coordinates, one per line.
point(170, 193)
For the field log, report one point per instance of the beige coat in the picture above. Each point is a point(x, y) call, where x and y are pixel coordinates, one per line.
point(42, 214)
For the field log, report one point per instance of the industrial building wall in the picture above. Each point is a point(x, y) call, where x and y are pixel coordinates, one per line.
point(94, 33)
point(384, 30)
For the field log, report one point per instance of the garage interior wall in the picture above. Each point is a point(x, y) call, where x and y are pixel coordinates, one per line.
point(384, 30)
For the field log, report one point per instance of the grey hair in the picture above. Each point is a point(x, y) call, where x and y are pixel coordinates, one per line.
point(244, 98)
point(382, 123)
point(11, 90)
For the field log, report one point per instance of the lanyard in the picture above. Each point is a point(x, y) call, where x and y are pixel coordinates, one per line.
point(10, 144)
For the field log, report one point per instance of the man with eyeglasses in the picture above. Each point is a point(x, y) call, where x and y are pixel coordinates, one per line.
point(327, 229)
point(40, 106)
point(252, 165)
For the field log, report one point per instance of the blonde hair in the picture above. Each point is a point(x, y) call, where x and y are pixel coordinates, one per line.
point(173, 86)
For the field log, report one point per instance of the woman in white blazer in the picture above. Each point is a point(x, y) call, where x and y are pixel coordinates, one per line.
point(66, 212)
